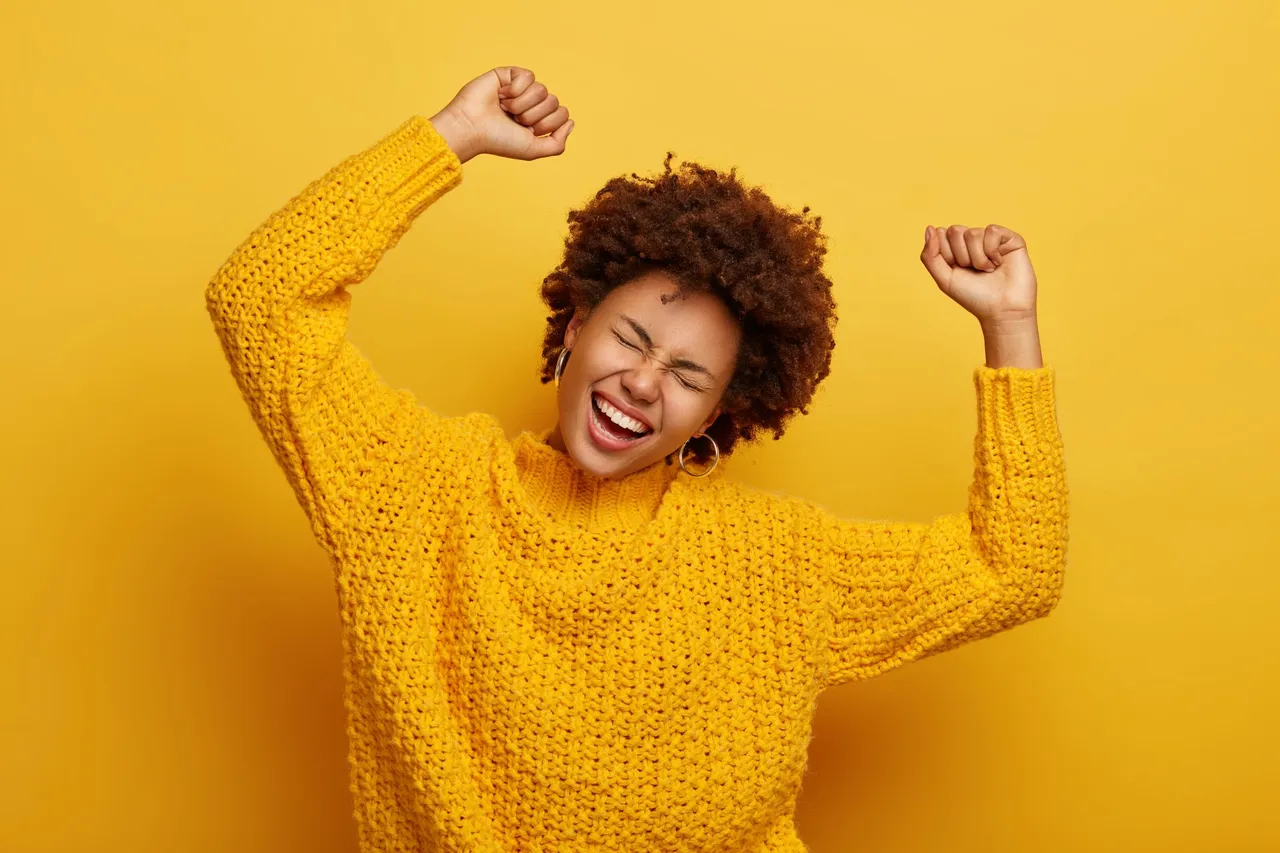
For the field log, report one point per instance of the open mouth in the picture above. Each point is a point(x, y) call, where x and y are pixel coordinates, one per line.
point(615, 428)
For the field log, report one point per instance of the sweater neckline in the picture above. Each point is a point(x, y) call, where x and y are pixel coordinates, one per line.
point(577, 562)
point(559, 492)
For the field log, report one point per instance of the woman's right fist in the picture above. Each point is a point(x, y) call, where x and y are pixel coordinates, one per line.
point(505, 112)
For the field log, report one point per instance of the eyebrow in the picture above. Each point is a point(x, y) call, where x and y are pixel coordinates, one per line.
point(682, 363)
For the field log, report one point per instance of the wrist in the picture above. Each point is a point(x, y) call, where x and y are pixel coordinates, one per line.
point(1012, 343)
point(457, 133)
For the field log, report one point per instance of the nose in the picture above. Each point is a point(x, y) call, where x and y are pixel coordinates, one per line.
point(642, 382)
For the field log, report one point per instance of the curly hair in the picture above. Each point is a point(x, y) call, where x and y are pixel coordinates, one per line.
point(710, 232)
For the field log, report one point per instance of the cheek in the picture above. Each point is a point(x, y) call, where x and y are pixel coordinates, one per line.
point(685, 411)
point(599, 360)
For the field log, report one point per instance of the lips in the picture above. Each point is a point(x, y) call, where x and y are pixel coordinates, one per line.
point(625, 410)
point(604, 429)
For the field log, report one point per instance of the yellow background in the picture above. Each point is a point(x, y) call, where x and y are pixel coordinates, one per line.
point(170, 642)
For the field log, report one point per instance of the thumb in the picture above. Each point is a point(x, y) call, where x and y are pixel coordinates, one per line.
point(931, 257)
point(553, 145)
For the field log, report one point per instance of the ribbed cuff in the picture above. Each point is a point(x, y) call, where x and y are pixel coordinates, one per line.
point(410, 168)
point(1017, 417)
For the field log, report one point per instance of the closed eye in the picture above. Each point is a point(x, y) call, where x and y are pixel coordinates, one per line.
point(620, 338)
point(686, 383)
point(625, 342)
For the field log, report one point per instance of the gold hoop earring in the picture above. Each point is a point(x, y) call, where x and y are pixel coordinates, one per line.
point(564, 354)
point(714, 463)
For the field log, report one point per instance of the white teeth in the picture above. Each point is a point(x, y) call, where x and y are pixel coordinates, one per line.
point(619, 418)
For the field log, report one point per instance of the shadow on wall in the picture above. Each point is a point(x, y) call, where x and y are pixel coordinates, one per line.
point(257, 637)
point(866, 756)
point(268, 641)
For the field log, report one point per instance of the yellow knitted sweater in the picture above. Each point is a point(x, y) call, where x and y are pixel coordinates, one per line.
point(538, 660)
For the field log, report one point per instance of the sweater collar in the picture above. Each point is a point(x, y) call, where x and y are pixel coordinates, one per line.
point(554, 486)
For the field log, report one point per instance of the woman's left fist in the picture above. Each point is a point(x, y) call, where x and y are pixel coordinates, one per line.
point(986, 270)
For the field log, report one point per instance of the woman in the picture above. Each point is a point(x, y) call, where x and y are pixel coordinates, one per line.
point(587, 639)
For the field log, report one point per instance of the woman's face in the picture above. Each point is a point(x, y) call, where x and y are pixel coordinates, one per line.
point(644, 374)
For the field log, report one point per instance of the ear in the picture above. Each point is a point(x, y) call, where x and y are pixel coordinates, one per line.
point(571, 332)
point(711, 418)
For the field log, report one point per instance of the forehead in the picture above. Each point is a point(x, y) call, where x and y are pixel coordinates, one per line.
point(673, 318)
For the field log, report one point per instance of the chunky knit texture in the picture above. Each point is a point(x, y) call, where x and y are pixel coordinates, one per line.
point(538, 660)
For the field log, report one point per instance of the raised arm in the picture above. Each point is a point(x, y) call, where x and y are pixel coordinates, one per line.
point(280, 303)
point(902, 591)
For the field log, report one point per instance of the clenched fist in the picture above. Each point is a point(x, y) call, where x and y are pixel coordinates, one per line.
point(986, 270)
point(505, 112)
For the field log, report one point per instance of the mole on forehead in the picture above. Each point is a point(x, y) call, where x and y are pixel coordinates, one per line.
point(672, 296)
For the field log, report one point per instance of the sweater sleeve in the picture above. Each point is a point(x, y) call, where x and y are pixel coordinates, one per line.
point(280, 303)
point(903, 591)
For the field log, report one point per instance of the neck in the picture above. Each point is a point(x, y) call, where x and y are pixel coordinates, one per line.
point(555, 439)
